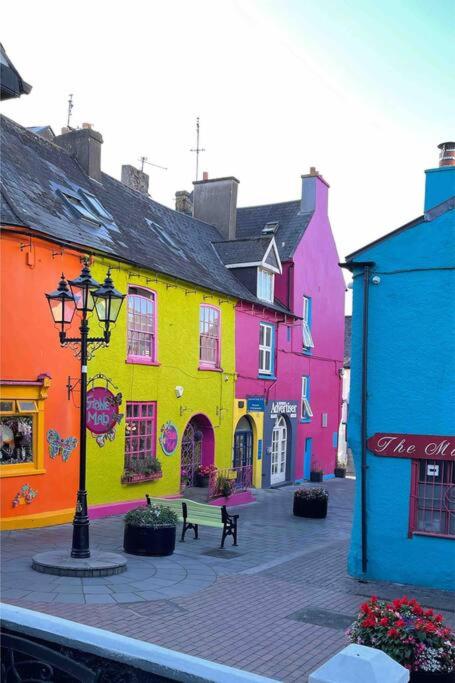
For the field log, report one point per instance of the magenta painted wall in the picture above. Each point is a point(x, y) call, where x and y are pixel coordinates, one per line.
point(313, 272)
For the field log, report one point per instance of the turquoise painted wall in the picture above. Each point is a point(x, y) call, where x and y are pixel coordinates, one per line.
point(411, 390)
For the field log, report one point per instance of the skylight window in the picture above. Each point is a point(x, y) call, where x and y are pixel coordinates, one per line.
point(80, 209)
point(165, 237)
point(270, 228)
point(92, 202)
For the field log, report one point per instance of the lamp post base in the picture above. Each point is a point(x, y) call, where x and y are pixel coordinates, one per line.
point(60, 563)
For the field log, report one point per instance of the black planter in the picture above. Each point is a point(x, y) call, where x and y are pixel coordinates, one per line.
point(340, 472)
point(315, 509)
point(316, 476)
point(430, 677)
point(201, 481)
point(145, 540)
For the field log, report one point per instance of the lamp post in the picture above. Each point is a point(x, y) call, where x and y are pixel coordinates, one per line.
point(85, 295)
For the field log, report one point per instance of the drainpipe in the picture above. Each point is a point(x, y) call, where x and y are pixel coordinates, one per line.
point(366, 265)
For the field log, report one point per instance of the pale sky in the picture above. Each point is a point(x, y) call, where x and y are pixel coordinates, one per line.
point(361, 89)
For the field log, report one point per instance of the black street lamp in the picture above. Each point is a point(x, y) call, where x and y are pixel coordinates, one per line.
point(85, 295)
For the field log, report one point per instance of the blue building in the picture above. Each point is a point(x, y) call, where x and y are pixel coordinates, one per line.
point(402, 401)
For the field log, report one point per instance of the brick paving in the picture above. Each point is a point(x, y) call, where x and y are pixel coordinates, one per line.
point(239, 611)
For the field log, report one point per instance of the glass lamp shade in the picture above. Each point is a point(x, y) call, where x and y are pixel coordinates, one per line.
point(62, 304)
point(82, 288)
point(108, 301)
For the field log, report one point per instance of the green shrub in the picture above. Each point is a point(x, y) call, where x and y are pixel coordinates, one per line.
point(156, 516)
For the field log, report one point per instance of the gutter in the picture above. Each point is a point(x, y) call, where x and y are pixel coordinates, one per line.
point(366, 265)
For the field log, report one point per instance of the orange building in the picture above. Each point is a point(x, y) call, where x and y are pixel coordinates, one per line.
point(38, 466)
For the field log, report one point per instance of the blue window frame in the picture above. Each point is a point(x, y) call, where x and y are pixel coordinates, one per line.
point(306, 412)
point(307, 337)
point(266, 351)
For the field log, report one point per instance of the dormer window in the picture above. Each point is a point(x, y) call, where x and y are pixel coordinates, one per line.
point(265, 285)
point(270, 228)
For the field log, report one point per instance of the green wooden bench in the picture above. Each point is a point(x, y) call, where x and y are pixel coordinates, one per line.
point(193, 514)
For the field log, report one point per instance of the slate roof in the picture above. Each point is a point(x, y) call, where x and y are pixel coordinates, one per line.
point(143, 232)
point(251, 250)
point(347, 340)
point(11, 83)
point(292, 224)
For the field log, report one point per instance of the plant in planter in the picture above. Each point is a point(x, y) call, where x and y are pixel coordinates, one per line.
point(203, 474)
point(138, 470)
point(340, 469)
point(311, 502)
point(415, 637)
point(316, 473)
point(150, 531)
point(224, 486)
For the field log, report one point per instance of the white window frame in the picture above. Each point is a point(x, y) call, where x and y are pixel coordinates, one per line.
point(264, 348)
point(308, 342)
point(265, 285)
point(306, 412)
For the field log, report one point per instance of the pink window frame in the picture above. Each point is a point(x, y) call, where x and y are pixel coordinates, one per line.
point(414, 498)
point(207, 365)
point(138, 359)
point(136, 421)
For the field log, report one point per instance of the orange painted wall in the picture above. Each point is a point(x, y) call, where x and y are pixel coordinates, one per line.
point(30, 347)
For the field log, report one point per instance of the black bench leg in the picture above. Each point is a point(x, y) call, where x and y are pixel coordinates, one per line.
point(184, 530)
point(196, 531)
point(223, 537)
point(235, 533)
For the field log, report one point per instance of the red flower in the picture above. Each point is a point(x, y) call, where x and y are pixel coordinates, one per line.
point(373, 598)
point(429, 613)
point(399, 623)
point(365, 608)
point(384, 621)
point(396, 603)
point(392, 632)
point(439, 618)
point(418, 610)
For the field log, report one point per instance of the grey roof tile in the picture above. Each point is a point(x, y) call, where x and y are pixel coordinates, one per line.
point(250, 250)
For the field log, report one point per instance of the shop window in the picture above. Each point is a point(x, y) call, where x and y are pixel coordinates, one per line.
point(307, 338)
point(22, 427)
point(140, 437)
point(433, 498)
point(209, 337)
point(266, 350)
point(141, 325)
point(265, 285)
point(305, 408)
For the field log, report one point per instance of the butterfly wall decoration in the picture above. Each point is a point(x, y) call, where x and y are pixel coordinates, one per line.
point(110, 435)
point(57, 445)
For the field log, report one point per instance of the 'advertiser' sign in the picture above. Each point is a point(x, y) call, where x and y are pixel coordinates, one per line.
point(419, 446)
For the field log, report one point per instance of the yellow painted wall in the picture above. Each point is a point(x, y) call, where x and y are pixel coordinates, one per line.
point(207, 392)
point(257, 421)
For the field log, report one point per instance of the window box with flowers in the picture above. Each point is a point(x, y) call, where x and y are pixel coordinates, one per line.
point(311, 502)
point(203, 474)
point(137, 471)
point(416, 638)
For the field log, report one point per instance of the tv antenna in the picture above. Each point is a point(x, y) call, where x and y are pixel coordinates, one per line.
point(70, 109)
point(144, 160)
point(197, 149)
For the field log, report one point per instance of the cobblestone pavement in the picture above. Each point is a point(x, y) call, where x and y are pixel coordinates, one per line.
point(278, 604)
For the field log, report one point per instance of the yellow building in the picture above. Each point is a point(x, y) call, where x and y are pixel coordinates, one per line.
point(172, 358)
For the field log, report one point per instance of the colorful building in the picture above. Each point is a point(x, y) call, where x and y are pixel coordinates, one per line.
point(402, 402)
point(289, 348)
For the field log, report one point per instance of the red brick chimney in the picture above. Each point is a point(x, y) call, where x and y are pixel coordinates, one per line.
point(447, 154)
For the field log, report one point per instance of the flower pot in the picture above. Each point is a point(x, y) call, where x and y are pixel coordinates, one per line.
point(316, 476)
point(315, 509)
point(432, 677)
point(201, 481)
point(147, 540)
point(340, 472)
point(138, 478)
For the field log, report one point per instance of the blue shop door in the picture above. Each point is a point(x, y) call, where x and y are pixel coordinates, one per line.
point(307, 458)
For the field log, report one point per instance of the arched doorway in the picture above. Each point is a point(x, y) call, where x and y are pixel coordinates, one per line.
point(243, 443)
point(279, 451)
point(197, 446)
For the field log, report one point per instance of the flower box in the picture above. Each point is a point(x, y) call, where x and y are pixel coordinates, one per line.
point(150, 531)
point(201, 481)
point(316, 477)
point(432, 677)
point(138, 478)
point(340, 472)
point(311, 502)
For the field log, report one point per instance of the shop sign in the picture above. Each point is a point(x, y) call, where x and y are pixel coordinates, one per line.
point(283, 408)
point(255, 404)
point(419, 446)
point(102, 410)
point(169, 438)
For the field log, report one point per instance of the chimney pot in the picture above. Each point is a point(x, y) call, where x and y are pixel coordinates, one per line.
point(447, 154)
point(87, 126)
point(313, 170)
point(205, 175)
point(135, 179)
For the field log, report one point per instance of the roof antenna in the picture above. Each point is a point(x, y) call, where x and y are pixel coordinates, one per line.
point(70, 109)
point(197, 149)
point(144, 160)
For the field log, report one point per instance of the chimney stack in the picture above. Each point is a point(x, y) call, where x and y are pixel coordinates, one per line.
point(315, 192)
point(215, 202)
point(85, 145)
point(183, 203)
point(447, 154)
point(135, 179)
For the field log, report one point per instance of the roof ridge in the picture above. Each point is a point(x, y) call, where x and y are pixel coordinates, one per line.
point(244, 239)
point(260, 206)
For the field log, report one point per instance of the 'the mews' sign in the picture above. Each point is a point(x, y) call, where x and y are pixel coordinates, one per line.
point(418, 446)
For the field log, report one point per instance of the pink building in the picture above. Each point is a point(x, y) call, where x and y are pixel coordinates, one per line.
point(289, 346)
